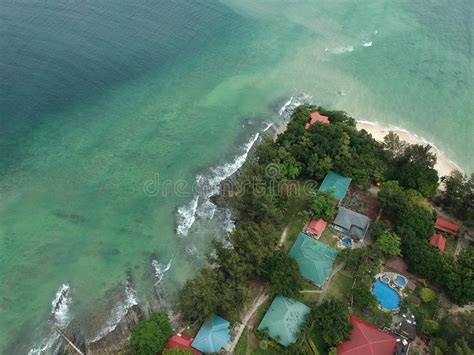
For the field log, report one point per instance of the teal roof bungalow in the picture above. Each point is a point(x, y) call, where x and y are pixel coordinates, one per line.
point(338, 183)
point(213, 335)
point(315, 259)
point(284, 319)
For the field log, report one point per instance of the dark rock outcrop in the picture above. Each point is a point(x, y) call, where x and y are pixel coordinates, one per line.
point(118, 340)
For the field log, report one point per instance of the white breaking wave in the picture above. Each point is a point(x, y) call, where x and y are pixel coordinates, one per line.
point(367, 44)
point(187, 216)
point(342, 50)
point(207, 186)
point(268, 126)
point(285, 105)
point(119, 311)
point(59, 316)
point(159, 270)
point(287, 109)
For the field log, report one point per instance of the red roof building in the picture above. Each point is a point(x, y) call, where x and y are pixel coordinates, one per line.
point(180, 341)
point(438, 241)
point(367, 340)
point(446, 225)
point(316, 117)
point(316, 227)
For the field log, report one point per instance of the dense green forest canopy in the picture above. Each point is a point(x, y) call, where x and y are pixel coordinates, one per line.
point(408, 180)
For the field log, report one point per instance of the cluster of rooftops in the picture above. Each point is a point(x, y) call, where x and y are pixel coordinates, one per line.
point(285, 317)
point(283, 322)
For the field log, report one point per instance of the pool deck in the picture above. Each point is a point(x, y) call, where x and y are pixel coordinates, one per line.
point(391, 276)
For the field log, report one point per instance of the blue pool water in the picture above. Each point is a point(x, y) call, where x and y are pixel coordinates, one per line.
point(388, 298)
point(400, 281)
point(347, 241)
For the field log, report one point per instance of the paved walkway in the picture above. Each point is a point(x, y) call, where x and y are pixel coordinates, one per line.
point(283, 236)
point(239, 327)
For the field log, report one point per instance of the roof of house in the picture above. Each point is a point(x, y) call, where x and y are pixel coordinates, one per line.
point(316, 117)
point(397, 264)
point(213, 335)
point(315, 259)
point(446, 225)
point(284, 319)
point(338, 183)
point(180, 341)
point(409, 328)
point(316, 226)
point(367, 340)
point(438, 241)
point(355, 223)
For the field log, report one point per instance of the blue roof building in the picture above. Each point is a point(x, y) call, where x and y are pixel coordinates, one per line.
point(284, 319)
point(338, 183)
point(213, 335)
point(315, 259)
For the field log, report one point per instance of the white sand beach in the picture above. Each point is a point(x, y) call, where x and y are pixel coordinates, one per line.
point(444, 165)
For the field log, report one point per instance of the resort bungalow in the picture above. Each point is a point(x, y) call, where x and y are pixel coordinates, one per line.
point(438, 241)
point(316, 228)
point(338, 183)
point(351, 223)
point(367, 340)
point(213, 335)
point(182, 342)
point(446, 225)
point(316, 117)
point(284, 319)
point(408, 327)
point(315, 259)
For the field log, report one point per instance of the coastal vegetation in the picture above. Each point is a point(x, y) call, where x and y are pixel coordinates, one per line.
point(150, 336)
point(263, 204)
point(458, 196)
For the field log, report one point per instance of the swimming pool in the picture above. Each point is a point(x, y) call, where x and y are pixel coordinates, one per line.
point(388, 298)
point(347, 241)
point(400, 281)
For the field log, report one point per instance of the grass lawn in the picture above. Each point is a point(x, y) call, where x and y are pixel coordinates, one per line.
point(295, 218)
point(376, 317)
point(249, 344)
point(340, 285)
point(329, 237)
point(295, 226)
point(309, 299)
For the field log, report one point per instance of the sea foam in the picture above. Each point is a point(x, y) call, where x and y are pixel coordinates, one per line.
point(59, 316)
point(119, 311)
point(159, 270)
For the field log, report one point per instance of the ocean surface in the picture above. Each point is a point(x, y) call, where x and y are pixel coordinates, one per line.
point(118, 119)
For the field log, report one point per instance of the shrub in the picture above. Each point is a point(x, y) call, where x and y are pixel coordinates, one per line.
point(150, 336)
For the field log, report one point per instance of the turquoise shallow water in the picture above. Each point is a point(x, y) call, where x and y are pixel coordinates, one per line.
point(100, 97)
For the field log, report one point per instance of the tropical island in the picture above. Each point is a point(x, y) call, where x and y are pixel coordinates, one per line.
point(343, 245)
